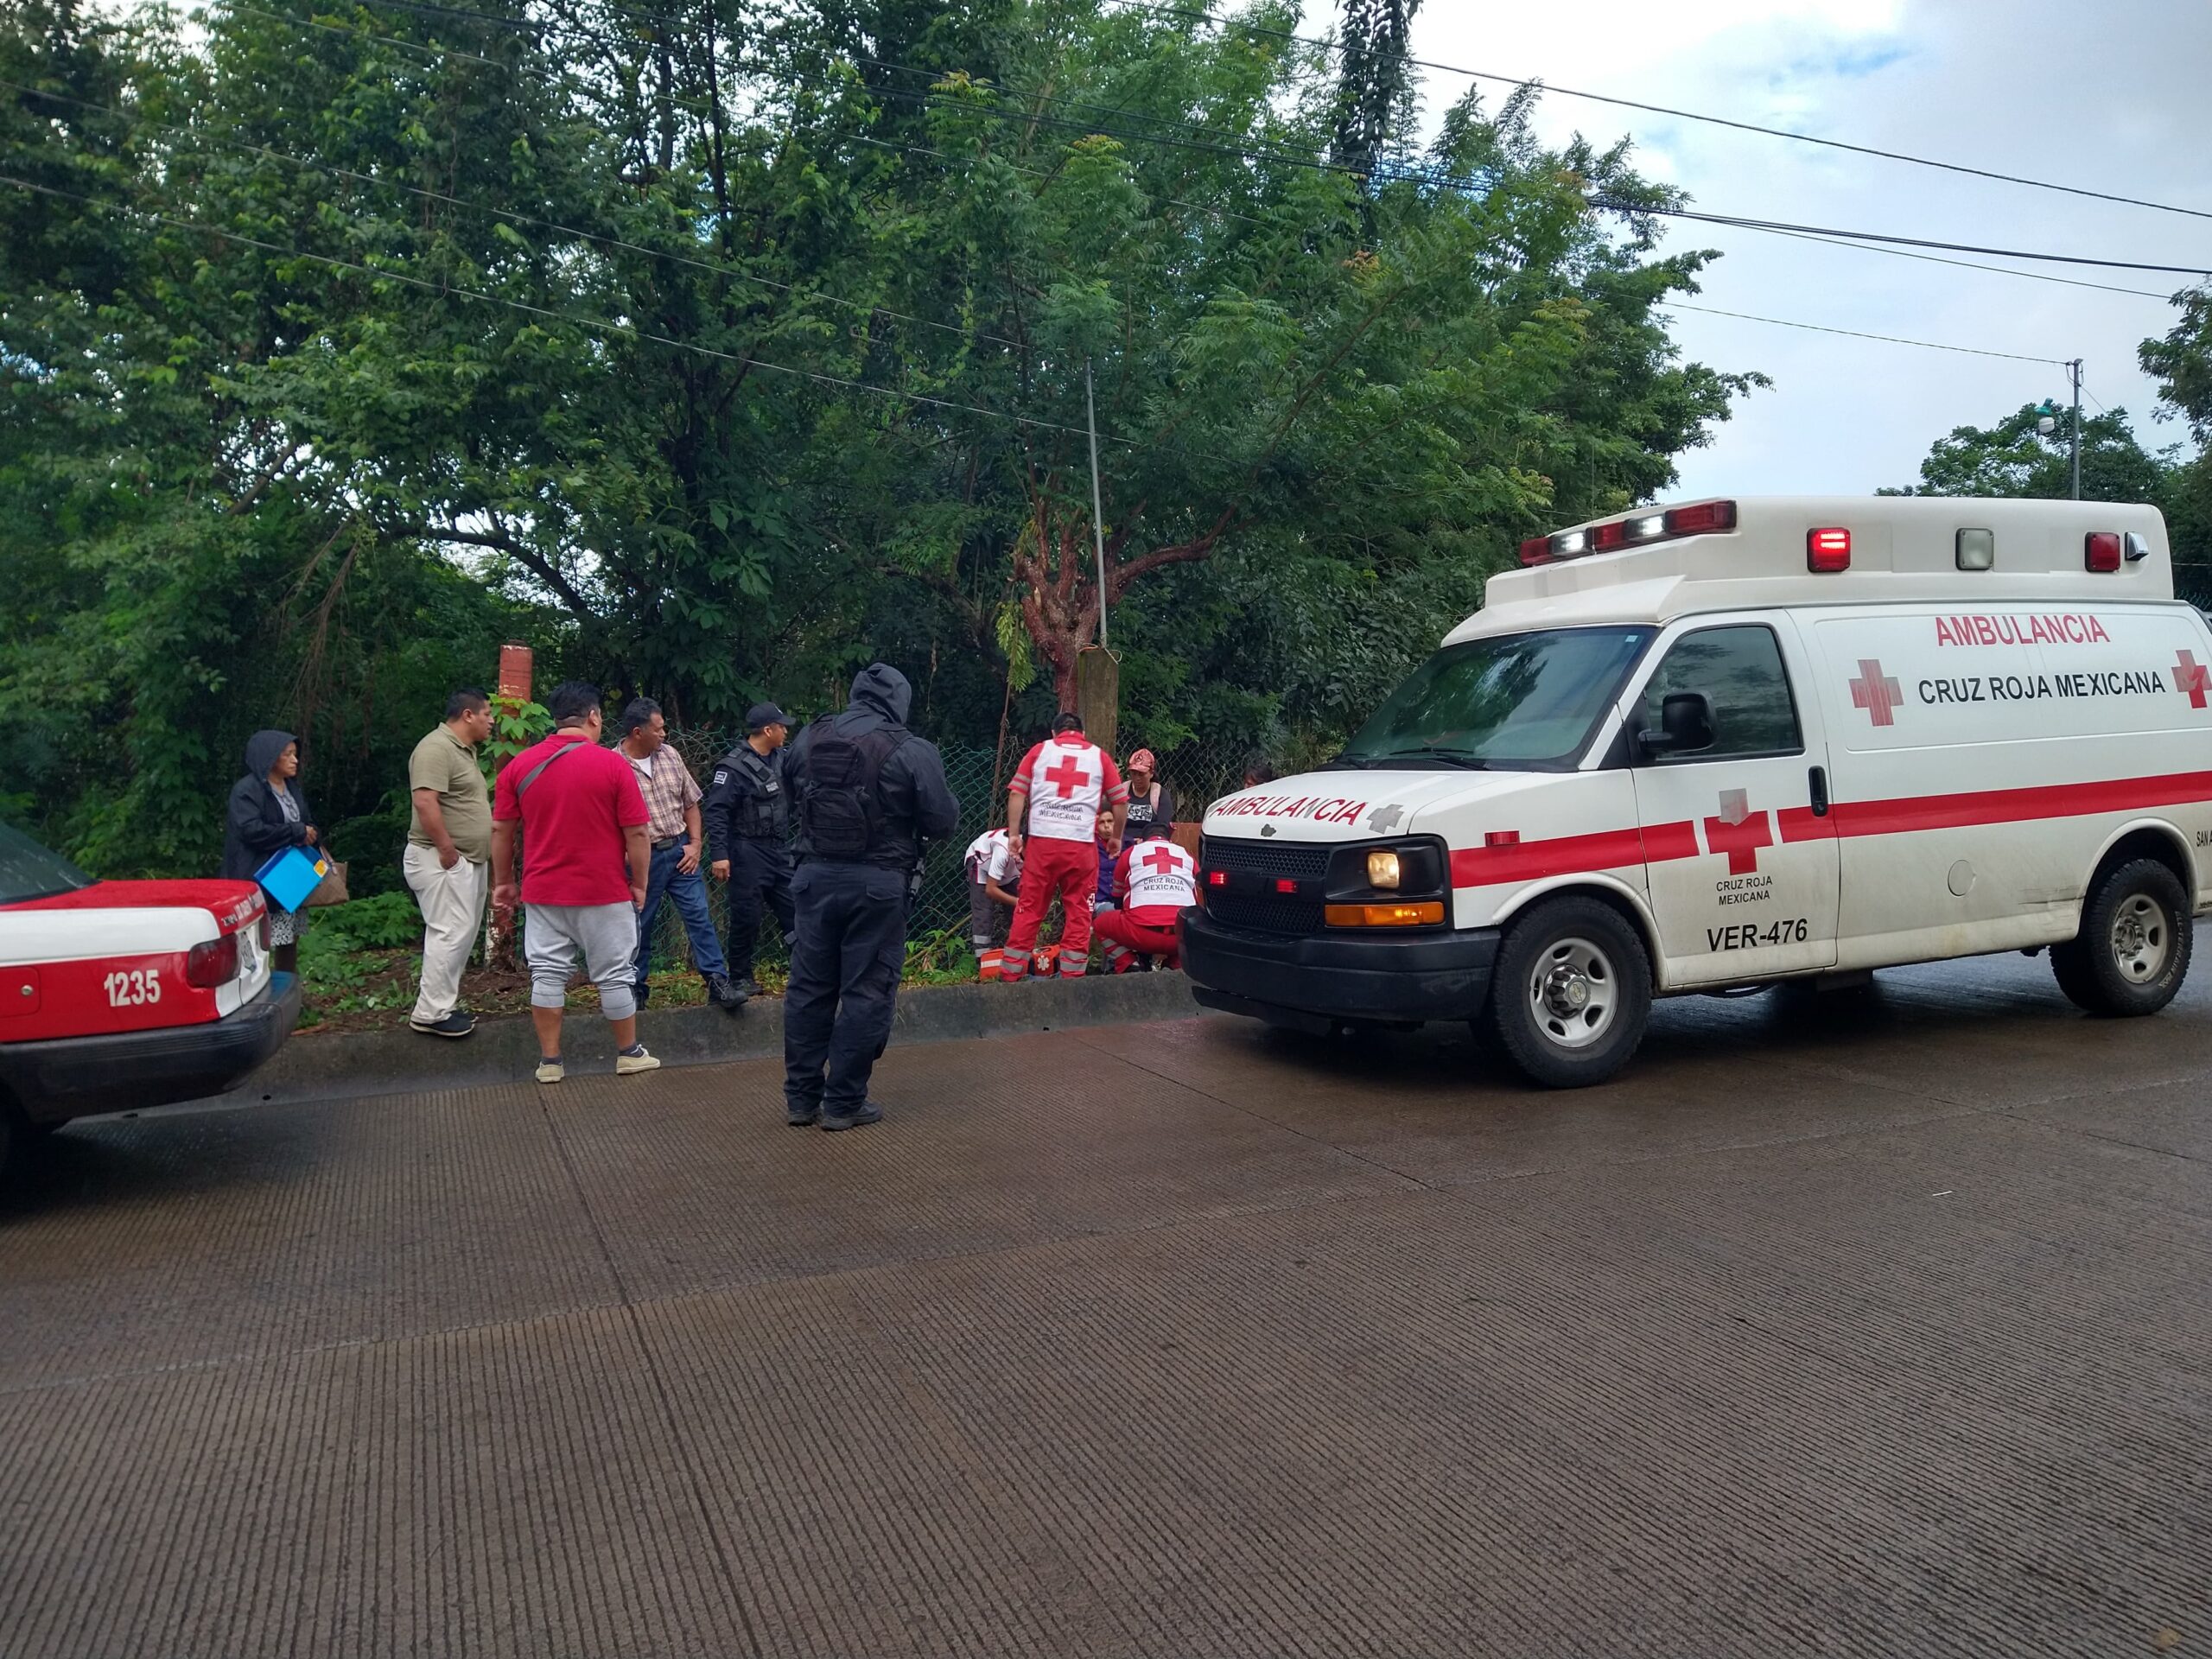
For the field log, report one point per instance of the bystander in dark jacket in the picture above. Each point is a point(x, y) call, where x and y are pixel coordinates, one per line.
point(849, 943)
point(268, 813)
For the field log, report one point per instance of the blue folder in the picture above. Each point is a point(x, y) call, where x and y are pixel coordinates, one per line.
point(290, 877)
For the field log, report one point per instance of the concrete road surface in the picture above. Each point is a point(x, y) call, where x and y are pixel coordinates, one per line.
point(1877, 1327)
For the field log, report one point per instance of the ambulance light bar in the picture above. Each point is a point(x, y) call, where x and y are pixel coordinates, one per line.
point(1701, 519)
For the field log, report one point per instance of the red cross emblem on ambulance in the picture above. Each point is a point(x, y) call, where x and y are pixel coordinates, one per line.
point(1878, 693)
point(1739, 832)
point(2191, 676)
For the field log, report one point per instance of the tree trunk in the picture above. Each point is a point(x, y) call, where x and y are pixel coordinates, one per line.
point(1054, 569)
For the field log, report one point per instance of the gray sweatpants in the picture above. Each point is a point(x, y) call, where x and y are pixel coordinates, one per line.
point(605, 935)
point(987, 917)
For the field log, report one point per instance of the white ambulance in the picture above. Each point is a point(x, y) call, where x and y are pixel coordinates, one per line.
point(1729, 743)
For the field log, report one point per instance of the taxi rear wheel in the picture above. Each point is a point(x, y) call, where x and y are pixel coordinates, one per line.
point(1571, 992)
point(2132, 951)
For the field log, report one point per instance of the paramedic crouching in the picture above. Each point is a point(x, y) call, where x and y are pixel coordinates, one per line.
point(867, 794)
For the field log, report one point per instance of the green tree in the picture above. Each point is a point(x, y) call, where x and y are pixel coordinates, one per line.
point(2014, 458)
point(2183, 363)
point(716, 350)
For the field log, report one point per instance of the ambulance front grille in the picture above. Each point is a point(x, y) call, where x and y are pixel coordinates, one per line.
point(1265, 913)
point(1308, 861)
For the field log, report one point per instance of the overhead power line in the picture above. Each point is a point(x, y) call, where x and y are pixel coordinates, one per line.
point(1440, 180)
point(596, 324)
point(1196, 15)
point(1854, 334)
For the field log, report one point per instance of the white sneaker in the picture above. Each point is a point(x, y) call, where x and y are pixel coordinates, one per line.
point(551, 1071)
point(640, 1061)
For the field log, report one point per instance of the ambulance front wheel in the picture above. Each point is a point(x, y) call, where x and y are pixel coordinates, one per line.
point(2132, 951)
point(1570, 993)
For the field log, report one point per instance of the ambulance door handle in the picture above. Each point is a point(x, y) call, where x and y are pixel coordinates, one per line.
point(1818, 781)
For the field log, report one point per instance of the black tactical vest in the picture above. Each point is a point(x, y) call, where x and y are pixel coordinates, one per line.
point(764, 813)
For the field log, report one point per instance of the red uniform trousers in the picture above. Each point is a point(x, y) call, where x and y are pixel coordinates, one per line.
point(1132, 933)
point(1071, 869)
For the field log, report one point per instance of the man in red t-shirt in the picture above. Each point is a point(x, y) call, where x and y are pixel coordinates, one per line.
point(586, 862)
point(1064, 786)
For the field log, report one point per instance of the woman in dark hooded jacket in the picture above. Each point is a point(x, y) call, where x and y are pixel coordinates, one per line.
point(268, 813)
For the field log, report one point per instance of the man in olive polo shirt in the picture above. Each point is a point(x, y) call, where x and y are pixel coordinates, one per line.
point(448, 847)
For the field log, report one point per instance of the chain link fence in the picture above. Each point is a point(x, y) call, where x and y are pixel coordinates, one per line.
point(1197, 773)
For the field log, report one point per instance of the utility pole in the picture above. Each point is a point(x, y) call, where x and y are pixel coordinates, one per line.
point(2072, 368)
point(1097, 514)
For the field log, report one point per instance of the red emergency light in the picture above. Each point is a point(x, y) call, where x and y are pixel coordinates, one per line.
point(1827, 549)
point(1285, 883)
point(1217, 878)
point(1642, 529)
point(2101, 550)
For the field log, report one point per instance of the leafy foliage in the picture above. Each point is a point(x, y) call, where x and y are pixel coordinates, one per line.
point(715, 360)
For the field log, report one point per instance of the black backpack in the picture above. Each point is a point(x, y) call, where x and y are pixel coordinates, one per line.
point(841, 811)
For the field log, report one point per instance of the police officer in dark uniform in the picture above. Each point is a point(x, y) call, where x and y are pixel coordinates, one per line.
point(868, 794)
point(747, 810)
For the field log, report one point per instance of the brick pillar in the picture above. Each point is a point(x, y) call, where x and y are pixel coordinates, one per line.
point(515, 673)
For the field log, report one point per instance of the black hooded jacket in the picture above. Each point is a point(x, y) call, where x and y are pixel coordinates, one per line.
point(917, 804)
point(257, 825)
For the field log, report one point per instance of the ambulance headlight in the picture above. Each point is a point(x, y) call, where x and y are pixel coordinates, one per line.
point(1383, 870)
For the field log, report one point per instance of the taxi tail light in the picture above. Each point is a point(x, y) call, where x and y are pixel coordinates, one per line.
point(261, 931)
point(1827, 549)
point(213, 963)
point(1426, 913)
point(2101, 550)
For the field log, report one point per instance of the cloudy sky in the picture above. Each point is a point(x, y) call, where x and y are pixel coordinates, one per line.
point(2106, 94)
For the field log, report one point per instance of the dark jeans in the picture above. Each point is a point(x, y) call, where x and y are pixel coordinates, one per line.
point(689, 895)
point(759, 873)
point(847, 952)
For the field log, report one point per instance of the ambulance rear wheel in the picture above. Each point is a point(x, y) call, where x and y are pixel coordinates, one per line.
point(2132, 952)
point(1570, 993)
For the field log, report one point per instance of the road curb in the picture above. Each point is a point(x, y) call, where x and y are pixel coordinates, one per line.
point(346, 1064)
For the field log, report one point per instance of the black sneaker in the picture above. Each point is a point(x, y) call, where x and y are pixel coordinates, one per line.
point(747, 986)
point(723, 994)
point(802, 1117)
point(458, 1023)
point(866, 1113)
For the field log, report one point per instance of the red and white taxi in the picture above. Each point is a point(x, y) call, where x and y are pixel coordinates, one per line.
point(119, 995)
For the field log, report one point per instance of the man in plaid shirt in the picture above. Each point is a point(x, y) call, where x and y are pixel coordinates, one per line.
point(674, 828)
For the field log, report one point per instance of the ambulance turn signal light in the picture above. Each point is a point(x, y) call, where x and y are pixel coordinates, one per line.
point(1420, 915)
point(1827, 549)
point(2101, 550)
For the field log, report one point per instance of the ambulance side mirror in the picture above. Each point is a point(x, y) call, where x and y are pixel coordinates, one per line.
point(1685, 725)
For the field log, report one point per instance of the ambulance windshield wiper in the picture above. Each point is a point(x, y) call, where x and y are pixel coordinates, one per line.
point(1466, 759)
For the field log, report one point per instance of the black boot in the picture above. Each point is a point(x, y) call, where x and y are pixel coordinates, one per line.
point(725, 995)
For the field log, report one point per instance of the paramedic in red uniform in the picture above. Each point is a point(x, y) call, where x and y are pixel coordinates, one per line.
point(1064, 783)
point(1156, 881)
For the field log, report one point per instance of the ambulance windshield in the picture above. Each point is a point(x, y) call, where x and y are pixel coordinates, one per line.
point(1520, 699)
